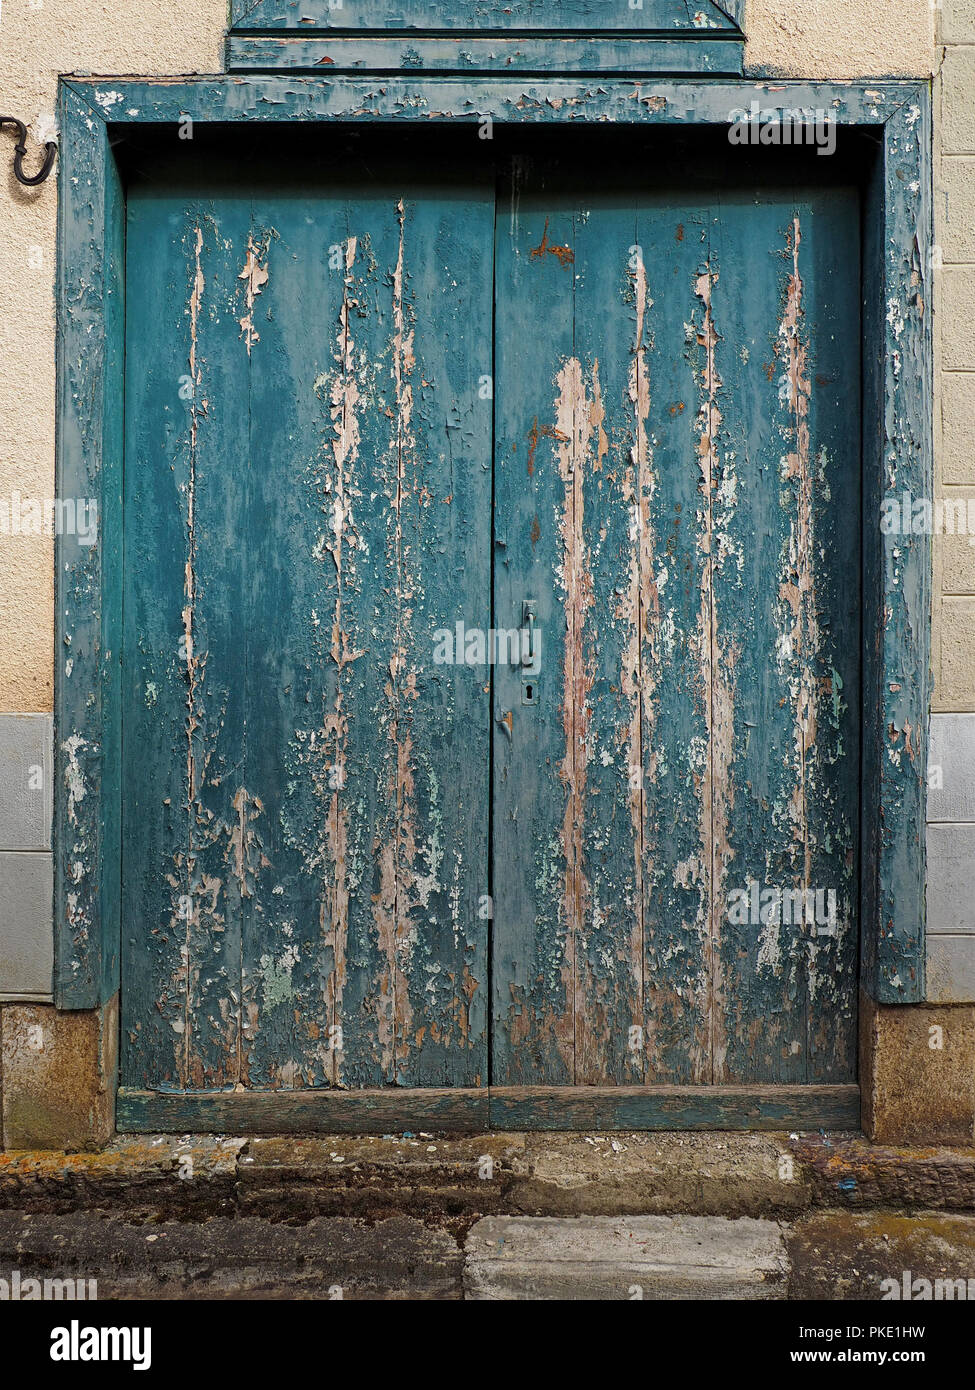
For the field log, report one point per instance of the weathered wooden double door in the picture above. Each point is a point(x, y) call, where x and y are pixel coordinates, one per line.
point(378, 421)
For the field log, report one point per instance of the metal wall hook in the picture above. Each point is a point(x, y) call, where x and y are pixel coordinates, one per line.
point(20, 150)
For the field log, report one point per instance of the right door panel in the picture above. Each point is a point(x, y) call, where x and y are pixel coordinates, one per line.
point(677, 499)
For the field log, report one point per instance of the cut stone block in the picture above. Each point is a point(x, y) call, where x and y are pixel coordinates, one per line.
point(956, 231)
point(951, 969)
point(956, 690)
point(239, 1258)
point(958, 321)
point(950, 895)
point(952, 754)
point(879, 1256)
point(958, 417)
point(26, 781)
point(26, 926)
point(957, 21)
point(637, 1257)
point(916, 1073)
point(59, 1073)
point(958, 101)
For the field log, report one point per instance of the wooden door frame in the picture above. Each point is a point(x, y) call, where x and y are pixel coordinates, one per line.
point(897, 458)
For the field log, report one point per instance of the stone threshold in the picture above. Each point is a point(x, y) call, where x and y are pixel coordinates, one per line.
point(451, 1181)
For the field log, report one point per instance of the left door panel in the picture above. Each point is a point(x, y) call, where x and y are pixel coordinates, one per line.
point(307, 504)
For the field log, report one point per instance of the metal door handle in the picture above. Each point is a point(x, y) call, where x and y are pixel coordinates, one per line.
point(528, 618)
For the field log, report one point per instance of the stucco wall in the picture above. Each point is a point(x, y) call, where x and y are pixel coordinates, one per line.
point(38, 40)
point(41, 38)
point(840, 38)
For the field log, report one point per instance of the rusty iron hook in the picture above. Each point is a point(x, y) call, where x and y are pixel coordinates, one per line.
point(20, 150)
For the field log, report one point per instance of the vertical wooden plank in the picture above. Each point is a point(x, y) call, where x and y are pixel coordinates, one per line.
point(410, 1007)
point(363, 950)
point(110, 534)
point(368, 954)
point(643, 807)
point(672, 418)
point(158, 426)
point(189, 840)
point(445, 280)
point(290, 604)
point(787, 634)
point(223, 845)
point(543, 438)
point(758, 998)
point(610, 644)
point(830, 275)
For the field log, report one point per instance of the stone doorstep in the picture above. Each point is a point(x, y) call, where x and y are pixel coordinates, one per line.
point(453, 1181)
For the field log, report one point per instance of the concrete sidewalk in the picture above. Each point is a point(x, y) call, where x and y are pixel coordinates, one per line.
point(824, 1256)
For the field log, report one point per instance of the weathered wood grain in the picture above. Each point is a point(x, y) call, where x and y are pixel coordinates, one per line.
point(677, 679)
point(474, 16)
point(506, 1108)
point(295, 594)
point(898, 459)
point(542, 434)
point(188, 841)
point(88, 583)
point(306, 830)
point(609, 649)
point(503, 53)
point(448, 279)
point(552, 100)
point(675, 1107)
point(787, 508)
point(686, 499)
point(322, 1112)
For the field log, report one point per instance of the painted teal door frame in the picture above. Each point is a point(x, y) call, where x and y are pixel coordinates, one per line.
point(897, 448)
